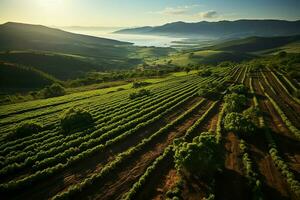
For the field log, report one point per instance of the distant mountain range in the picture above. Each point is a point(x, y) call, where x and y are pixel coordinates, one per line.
point(221, 29)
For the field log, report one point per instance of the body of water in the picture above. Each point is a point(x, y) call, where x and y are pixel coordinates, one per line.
point(138, 40)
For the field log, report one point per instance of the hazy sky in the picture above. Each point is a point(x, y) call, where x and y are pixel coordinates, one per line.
point(142, 12)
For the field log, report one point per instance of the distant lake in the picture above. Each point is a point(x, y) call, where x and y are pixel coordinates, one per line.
point(138, 40)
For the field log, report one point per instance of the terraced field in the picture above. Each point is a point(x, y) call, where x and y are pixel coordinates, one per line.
point(128, 153)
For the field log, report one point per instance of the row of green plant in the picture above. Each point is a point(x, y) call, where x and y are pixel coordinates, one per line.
point(284, 118)
point(110, 108)
point(279, 162)
point(86, 97)
point(139, 184)
point(82, 143)
point(96, 149)
point(112, 120)
point(253, 179)
point(293, 95)
point(76, 189)
point(242, 121)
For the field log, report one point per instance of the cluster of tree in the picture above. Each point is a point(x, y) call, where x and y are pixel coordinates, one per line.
point(238, 119)
point(94, 77)
point(202, 157)
point(74, 119)
point(235, 102)
point(140, 93)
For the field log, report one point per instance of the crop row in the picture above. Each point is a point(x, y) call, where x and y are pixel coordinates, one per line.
point(75, 189)
point(90, 143)
point(284, 87)
point(252, 177)
point(111, 118)
point(138, 186)
point(51, 170)
point(284, 118)
point(279, 162)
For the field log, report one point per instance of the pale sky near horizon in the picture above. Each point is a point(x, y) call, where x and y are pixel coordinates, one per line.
point(125, 13)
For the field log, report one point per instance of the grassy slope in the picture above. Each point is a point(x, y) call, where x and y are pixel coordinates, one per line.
point(65, 55)
point(12, 77)
point(62, 67)
point(254, 44)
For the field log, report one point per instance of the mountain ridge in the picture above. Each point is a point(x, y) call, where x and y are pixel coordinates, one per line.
point(223, 29)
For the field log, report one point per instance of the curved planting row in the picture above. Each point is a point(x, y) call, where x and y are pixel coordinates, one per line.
point(284, 118)
point(279, 162)
point(76, 189)
point(138, 186)
point(115, 114)
point(92, 148)
point(91, 142)
point(284, 104)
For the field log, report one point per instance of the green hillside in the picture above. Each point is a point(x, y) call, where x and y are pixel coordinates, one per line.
point(254, 44)
point(17, 78)
point(62, 67)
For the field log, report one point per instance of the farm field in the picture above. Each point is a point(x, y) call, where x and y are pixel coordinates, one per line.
point(129, 151)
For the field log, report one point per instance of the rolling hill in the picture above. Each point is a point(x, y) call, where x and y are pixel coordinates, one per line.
point(221, 29)
point(254, 44)
point(66, 55)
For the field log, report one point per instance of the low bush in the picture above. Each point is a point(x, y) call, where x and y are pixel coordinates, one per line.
point(201, 157)
point(139, 84)
point(235, 102)
point(26, 129)
point(54, 90)
point(236, 122)
point(74, 119)
point(239, 89)
point(140, 93)
point(205, 73)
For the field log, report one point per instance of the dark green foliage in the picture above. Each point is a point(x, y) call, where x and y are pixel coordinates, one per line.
point(139, 84)
point(187, 69)
point(237, 123)
point(205, 73)
point(54, 90)
point(211, 90)
point(18, 78)
point(252, 113)
point(201, 157)
point(239, 89)
point(26, 129)
point(175, 191)
point(74, 119)
point(235, 102)
point(140, 93)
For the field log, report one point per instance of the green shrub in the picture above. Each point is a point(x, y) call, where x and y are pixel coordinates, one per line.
point(140, 93)
point(203, 156)
point(139, 84)
point(235, 102)
point(237, 123)
point(252, 114)
point(74, 119)
point(26, 129)
point(239, 89)
point(54, 90)
point(205, 73)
